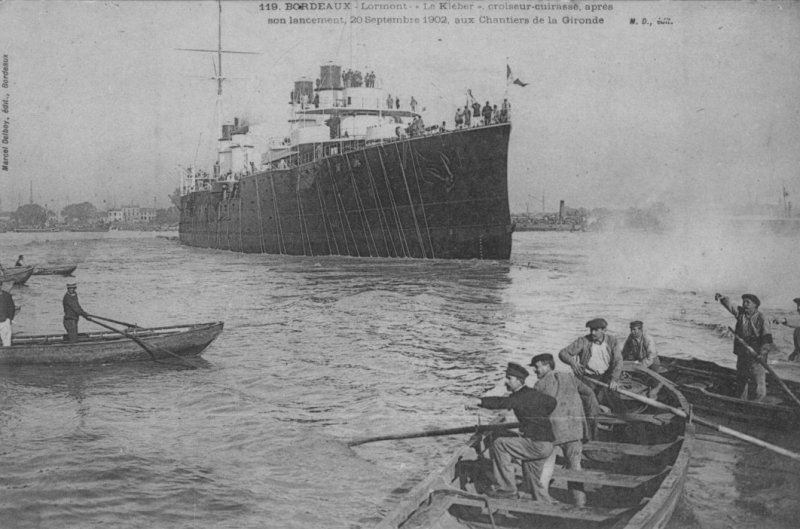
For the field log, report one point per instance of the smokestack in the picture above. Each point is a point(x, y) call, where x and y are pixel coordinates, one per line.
point(561, 211)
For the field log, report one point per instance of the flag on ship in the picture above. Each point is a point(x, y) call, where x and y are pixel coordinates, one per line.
point(510, 78)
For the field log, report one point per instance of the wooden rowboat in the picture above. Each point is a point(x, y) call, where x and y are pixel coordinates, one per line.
point(64, 270)
point(711, 389)
point(633, 475)
point(107, 347)
point(17, 274)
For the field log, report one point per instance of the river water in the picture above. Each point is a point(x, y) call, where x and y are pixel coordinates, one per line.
point(317, 351)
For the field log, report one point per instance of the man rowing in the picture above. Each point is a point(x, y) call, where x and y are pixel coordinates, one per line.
point(532, 445)
point(795, 356)
point(755, 330)
point(72, 311)
point(640, 347)
point(7, 311)
point(597, 354)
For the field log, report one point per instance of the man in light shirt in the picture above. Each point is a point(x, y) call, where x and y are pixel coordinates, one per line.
point(598, 355)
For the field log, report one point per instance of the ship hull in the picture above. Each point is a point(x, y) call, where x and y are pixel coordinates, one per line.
point(441, 196)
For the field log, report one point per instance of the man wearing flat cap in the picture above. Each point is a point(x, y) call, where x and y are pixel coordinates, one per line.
point(639, 346)
point(532, 445)
point(795, 356)
point(72, 311)
point(754, 328)
point(7, 311)
point(596, 354)
point(569, 419)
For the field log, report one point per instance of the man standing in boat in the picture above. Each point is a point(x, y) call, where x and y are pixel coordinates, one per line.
point(72, 311)
point(569, 419)
point(640, 347)
point(597, 354)
point(532, 445)
point(7, 310)
point(795, 356)
point(755, 330)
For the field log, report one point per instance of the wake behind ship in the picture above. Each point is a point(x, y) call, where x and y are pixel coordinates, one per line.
point(356, 177)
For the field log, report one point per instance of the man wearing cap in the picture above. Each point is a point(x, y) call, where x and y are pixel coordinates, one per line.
point(755, 330)
point(640, 347)
point(597, 354)
point(7, 310)
point(19, 261)
point(532, 445)
point(72, 311)
point(568, 420)
point(795, 335)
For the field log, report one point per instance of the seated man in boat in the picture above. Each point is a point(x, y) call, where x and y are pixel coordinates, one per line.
point(72, 311)
point(795, 356)
point(7, 311)
point(19, 261)
point(597, 354)
point(640, 347)
point(568, 420)
point(532, 445)
point(754, 329)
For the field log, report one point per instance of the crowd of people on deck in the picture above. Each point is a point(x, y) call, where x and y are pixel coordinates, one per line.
point(558, 413)
point(475, 116)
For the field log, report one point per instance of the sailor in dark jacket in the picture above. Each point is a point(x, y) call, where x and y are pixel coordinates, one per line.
point(72, 311)
point(7, 310)
point(535, 443)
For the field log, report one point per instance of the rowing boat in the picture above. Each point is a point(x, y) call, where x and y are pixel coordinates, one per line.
point(64, 270)
point(111, 347)
point(633, 475)
point(711, 389)
point(18, 274)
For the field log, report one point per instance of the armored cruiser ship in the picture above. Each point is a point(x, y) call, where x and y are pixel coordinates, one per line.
point(355, 176)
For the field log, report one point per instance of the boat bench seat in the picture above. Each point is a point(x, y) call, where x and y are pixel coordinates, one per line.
point(629, 449)
point(599, 477)
point(658, 419)
point(557, 510)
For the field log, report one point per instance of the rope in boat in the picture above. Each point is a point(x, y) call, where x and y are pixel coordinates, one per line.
point(278, 227)
point(338, 200)
point(325, 220)
point(260, 222)
point(381, 212)
point(401, 162)
point(422, 200)
point(395, 210)
point(362, 209)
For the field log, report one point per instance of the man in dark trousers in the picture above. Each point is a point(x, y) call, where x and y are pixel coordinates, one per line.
point(7, 310)
point(72, 311)
point(532, 445)
point(755, 329)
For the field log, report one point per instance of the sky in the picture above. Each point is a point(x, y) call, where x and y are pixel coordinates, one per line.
point(104, 106)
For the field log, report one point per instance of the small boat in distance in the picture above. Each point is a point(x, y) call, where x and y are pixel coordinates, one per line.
point(63, 270)
point(710, 388)
point(16, 274)
point(633, 476)
point(111, 347)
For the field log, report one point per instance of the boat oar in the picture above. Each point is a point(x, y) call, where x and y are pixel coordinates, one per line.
point(141, 344)
point(114, 321)
point(434, 433)
point(718, 427)
point(755, 355)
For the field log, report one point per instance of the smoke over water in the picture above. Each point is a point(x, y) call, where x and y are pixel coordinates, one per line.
point(704, 253)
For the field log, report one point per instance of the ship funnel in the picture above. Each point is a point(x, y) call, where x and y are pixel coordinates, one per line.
point(330, 77)
point(303, 91)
